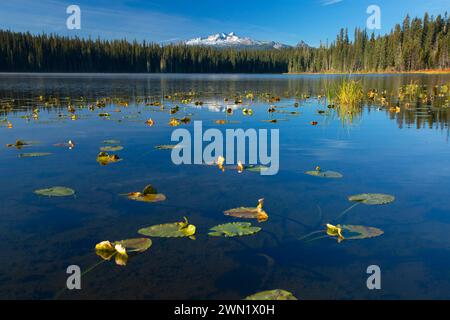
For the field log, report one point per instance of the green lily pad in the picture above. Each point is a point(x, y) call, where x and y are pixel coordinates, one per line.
point(324, 174)
point(372, 198)
point(34, 154)
point(351, 232)
point(167, 146)
point(276, 294)
point(104, 158)
point(111, 141)
point(135, 244)
point(256, 168)
point(55, 192)
point(169, 230)
point(233, 229)
point(249, 212)
point(119, 249)
point(111, 148)
point(149, 194)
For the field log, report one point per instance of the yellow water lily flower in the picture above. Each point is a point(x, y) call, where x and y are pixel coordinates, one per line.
point(174, 122)
point(335, 231)
point(104, 245)
point(120, 249)
point(106, 250)
point(220, 162)
point(240, 167)
point(262, 215)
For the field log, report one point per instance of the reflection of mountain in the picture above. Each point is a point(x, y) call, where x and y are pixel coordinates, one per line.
point(223, 40)
point(215, 105)
point(19, 92)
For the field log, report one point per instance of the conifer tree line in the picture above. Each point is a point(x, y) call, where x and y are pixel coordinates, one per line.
point(418, 43)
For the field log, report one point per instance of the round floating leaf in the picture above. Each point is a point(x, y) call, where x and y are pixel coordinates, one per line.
point(372, 198)
point(249, 212)
point(111, 141)
point(276, 294)
point(135, 244)
point(324, 174)
point(111, 148)
point(34, 154)
point(169, 230)
point(104, 158)
point(233, 229)
point(167, 146)
point(138, 196)
point(55, 192)
point(149, 194)
point(351, 232)
point(256, 168)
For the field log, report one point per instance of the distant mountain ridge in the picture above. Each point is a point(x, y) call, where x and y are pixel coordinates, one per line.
point(231, 40)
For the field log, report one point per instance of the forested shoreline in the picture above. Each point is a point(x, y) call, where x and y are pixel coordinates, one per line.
point(416, 44)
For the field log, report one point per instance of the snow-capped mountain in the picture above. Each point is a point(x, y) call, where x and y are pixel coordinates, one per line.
point(302, 44)
point(232, 40)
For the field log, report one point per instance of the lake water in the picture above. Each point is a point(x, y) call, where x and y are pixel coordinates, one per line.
point(405, 154)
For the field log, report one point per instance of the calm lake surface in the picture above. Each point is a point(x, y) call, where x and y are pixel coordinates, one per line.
point(405, 154)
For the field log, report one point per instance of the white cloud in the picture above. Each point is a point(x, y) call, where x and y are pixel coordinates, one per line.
point(329, 2)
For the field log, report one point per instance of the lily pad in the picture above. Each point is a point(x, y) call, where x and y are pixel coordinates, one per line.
point(276, 294)
point(249, 212)
point(55, 192)
point(352, 232)
point(149, 194)
point(233, 229)
point(167, 146)
point(135, 244)
point(104, 158)
point(111, 148)
point(256, 168)
point(170, 230)
point(34, 154)
point(324, 174)
point(372, 198)
point(106, 250)
point(111, 141)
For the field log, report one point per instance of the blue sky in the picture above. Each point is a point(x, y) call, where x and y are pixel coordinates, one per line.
point(287, 21)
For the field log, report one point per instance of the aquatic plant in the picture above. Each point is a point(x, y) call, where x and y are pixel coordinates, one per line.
point(170, 230)
point(149, 194)
point(120, 249)
point(233, 229)
point(276, 294)
point(104, 158)
point(34, 154)
point(249, 212)
point(349, 92)
point(344, 232)
point(318, 172)
point(55, 192)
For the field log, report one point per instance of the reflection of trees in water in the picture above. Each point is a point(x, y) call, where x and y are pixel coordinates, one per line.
point(19, 92)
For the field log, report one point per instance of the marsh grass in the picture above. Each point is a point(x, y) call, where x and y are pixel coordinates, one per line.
point(348, 96)
point(349, 92)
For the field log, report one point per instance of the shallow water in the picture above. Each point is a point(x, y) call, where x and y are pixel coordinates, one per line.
point(405, 154)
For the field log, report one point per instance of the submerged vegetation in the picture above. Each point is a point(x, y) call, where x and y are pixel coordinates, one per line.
point(414, 45)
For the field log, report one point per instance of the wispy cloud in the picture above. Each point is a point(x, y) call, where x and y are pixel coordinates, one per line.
point(329, 2)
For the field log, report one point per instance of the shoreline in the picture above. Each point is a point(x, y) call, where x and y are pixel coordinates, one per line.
point(425, 71)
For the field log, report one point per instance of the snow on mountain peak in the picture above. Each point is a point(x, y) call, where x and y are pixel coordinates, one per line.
point(232, 40)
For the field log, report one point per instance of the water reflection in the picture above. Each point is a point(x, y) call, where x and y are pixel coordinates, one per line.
point(56, 92)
